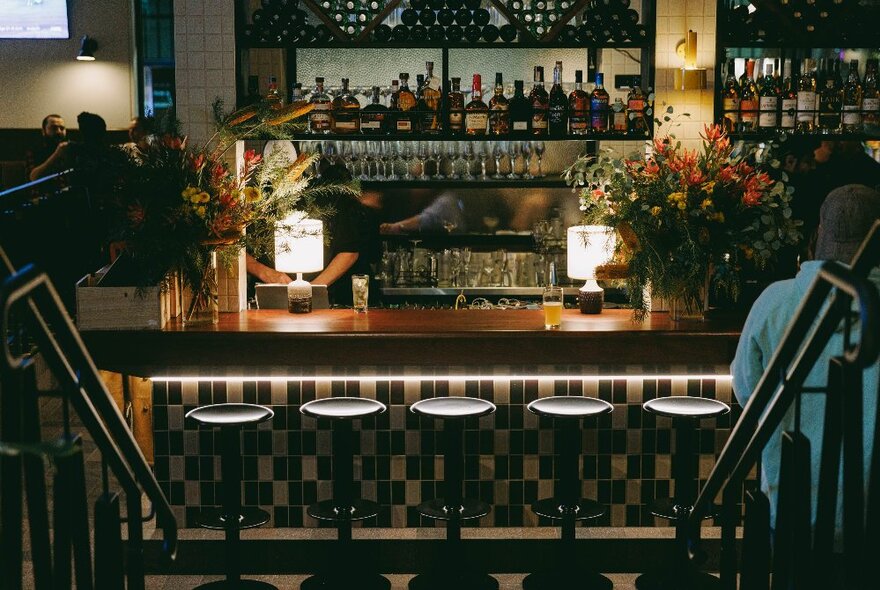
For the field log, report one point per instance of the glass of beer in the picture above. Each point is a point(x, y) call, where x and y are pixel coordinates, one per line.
point(360, 292)
point(552, 307)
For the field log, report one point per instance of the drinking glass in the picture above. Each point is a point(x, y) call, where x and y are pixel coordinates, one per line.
point(437, 154)
point(527, 159)
point(513, 155)
point(454, 156)
point(423, 154)
point(366, 157)
point(539, 151)
point(469, 156)
point(360, 292)
point(552, 307)
point(394, 153)
point(497, 153)
point(374, 149)
point(407, 154)
point(483, 151)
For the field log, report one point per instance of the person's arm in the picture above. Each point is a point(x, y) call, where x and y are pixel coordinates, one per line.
point(748, 363)
point(265, 274)
point(410, 224)
point(340, 264)
point(52, 163)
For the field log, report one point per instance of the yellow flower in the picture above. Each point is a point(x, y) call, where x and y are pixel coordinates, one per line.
point(709, 186)
point(188, 193)
point(655, 211)
point(679, 200)
point(252, 194)
point(719, 217)
point(200, 211)
point(204, 197)
point(706, 204)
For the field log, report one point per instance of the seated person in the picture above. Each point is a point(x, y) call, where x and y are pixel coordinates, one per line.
point(845, 219)
point(141, 132)
point(50, 157)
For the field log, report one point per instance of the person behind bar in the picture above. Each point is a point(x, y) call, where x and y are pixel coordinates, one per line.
point(50, 156)
point(845, 219)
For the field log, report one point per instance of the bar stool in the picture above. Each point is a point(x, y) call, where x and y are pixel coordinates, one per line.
point(343, 509)
point(566, 505)
point(232, 518)
point(453, 570)
point(686, 413)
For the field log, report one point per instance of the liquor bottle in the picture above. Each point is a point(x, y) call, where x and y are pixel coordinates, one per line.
point(405, 120)
point(748, 100)
point(540, 103)
point(830, 101)
point(787, 100)
point(432, 94)
point(455, 100)
point(578, 107)
point(870, 98)
point(319, 117)
point(499, 109)
point(636, 100)
point(768, 101)
point(273, 98)
point(297, 92)
point(476, 113)
point(618, 116)
point(520, 112)
point(806, 97)
point(730, 99)
point(852, 100)
point(345, 109)
point(558, 112)
point(599, 106)
point(374, 116)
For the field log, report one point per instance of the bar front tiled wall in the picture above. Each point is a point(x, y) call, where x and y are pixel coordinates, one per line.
point(509, 462)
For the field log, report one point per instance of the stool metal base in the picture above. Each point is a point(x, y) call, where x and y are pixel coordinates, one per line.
point(583, 510)
point(240, 585)
point(452, 581)
point(693, 580)
point(567, 581)
point(346, 582)
point(667, 508)
point(470, 508)
point(213, 519)
point(328, 510)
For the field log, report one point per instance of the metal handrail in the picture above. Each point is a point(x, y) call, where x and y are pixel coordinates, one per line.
point(794, 358)
point(35, 183)
point(66, 354)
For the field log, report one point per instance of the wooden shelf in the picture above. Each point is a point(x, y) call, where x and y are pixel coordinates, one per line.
point(448, 137)
point(546, 182)
point(336, 44)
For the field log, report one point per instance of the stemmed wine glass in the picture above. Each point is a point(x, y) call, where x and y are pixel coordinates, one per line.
point(483, 151)
point(424, 155)
point(513, 155)
point(408, 154)
point(437, 154)
point(539, 151)
point(497, 152)
point(454, 157)
point(365, 158)
point(392, 149)
point(469, 156)
point(375, 148)
point(527, 159)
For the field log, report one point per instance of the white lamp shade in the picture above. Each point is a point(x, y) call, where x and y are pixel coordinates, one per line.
point(299, 244)
point(588, 247)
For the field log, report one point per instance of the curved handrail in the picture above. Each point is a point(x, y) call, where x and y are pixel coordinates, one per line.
point(66, 353)
point(35, 183)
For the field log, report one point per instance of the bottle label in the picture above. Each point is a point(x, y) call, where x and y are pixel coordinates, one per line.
point(520, 125)
point(499, 120)
point(476, 121)
point(347, 125)
point(731, 109)
point(635, 104)
point(404, 125)
point(789, 113)
point(319, 120)
point(852, 115)
point(748, 110)
point(599, 114)
point(578, 123)
point(539, 121)
point(321, 106)
point(375, 125)
point(620, 120)
point(768, 117)
point(806, 106)
point(456, 120)
point(871, 105)
point(557, 115)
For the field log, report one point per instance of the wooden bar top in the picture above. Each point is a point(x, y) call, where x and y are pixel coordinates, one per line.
point(274, 339)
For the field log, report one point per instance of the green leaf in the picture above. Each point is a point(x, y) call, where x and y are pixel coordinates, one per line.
point(669, 109)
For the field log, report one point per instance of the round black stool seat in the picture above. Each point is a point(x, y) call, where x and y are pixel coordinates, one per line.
point(230, 414)
point(453, 407)
point(342, 408)
point(569, 406)
point(684, 406)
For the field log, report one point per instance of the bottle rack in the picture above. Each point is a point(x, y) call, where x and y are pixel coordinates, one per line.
point(792, 29)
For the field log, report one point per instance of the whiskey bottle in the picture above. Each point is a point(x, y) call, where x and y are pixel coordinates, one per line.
point(730, 99)
point(599, 106)
point(870, 98)
point(346, 111)
point(787, 100)
point(476, 113)
point(578, 107)
point(374, 116)
point(520, 111)
point(540, 103)
point(618, 116)
point(319, 117)
point(806, 97)
point(558, 111)
point(636, 104)
point(748, 100)
point(768, 102)
point(405, 118)
point(455, 100)
point(499, 109)
point(273, 97)
point(830, 101)
point(852, 100)
point(432, 94)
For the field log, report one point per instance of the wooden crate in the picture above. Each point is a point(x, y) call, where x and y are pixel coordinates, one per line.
point(122, 308)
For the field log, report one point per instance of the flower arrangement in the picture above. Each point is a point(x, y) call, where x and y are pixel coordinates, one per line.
point(179, 206)
point(683, 213)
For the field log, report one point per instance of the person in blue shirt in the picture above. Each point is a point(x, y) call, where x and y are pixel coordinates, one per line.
point(845, 218)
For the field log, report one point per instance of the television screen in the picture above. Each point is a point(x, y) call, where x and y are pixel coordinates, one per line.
point(33, 19)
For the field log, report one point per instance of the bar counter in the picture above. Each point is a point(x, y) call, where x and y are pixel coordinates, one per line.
point(268, 340)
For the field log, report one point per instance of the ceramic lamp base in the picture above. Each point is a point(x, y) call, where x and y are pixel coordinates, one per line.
point(591, 301)
point(299, 296)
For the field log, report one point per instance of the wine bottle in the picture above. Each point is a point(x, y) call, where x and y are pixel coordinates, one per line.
point(788, 100)
point(852, 100)
point(520, 112)
point(768, 101)
point(806, 97)
point(730, 99)
point(540, 103)
point(558, 109)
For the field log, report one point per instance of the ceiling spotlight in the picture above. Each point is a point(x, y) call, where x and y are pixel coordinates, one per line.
point(87, 49)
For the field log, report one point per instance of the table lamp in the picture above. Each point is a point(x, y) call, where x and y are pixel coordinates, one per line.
point(299, 248)
point(588, 247)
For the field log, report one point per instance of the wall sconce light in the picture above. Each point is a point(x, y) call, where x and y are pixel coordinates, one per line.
point(689, 77)
point(87, 49)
